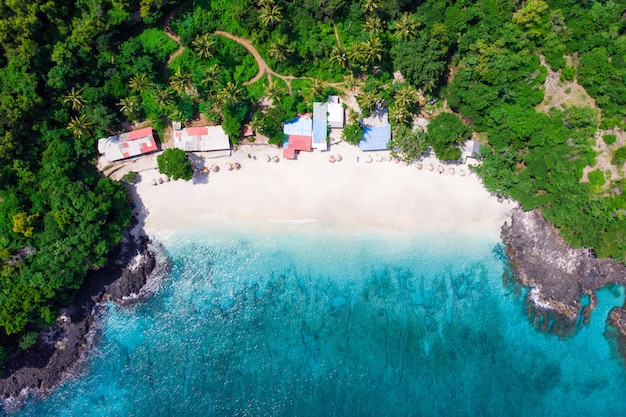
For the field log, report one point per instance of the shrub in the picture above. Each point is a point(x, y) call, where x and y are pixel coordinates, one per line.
point(175, 164)
point(619, 156)
point(28, 340)
point(130, 177)
point(597, 178)
point(609, 138)
point(568, 74)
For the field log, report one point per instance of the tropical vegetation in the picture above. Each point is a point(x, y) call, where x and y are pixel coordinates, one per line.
point(74, 72)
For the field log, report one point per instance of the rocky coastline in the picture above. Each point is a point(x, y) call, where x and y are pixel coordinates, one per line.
point(558, 276)
point(39, 369)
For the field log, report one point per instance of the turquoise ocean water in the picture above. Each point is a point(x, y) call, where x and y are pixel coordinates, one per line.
point(320, 323)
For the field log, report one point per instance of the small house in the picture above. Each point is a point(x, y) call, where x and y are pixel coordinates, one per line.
point(202, 139)
point(128, 145)
point(376, 131)
point(299, 136)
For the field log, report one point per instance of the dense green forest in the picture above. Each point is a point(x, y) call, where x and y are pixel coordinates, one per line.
point(74, 71)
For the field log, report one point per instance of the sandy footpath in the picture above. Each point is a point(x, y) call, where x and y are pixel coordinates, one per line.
point(352, 194)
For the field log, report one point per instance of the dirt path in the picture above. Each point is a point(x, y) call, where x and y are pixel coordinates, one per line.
point(168, 31)
point(264, 69)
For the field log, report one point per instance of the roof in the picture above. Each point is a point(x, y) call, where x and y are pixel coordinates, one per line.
point(378, 118)
point(203, 139)
point(320, 132)
point(471, 149)
point(301, 126)
point(375, 138)
point(247, 131)
point(336, 112)
point(127, 145)
point(295, 143)
point(319, 111)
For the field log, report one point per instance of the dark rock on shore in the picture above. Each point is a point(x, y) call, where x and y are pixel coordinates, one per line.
point(557, 275)
point(41, 368)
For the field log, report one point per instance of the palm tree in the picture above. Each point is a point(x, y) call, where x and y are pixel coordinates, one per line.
point(368, 100)
point(270, 15)
point(230, 93)
point(339, 54)
point(370, 6)
point(75, 98)
point(274, 91)
point(80, 126)
point(181, 82)
point(352, 83)
point(280, 49)
point(163, 97)
point(355, 52)
point(178, 116)
point(429, 85)
point(373, 25)
point(405, 96)
point(203, 46)
point(405, 27)
point(211, 75)
point(398, 114)
point(139, 82)
point(372, 50)
point(129, 105)
point(317, 88)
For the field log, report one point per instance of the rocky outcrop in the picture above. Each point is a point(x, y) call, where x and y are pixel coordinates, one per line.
point(41, 368)
point(557, 275)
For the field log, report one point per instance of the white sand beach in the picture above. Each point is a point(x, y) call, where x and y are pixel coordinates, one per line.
point(350, 193)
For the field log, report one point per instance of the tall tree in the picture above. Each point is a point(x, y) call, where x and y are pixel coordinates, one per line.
point(405, 27)
point(274, 91)
point(129, 106)
point(270, 15)
point(372, 50)
point(139, 82)
point(280, 49)
point(231, 93)
point(203, 46)
point(340, 54)
point(75, 98)
point(80, 126)
point(182, 82)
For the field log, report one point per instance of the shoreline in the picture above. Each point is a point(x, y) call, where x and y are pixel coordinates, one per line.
point(59, 349)
point(310, 194)
point(347, 195)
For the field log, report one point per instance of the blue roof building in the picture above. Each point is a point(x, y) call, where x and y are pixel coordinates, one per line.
point(320, 126)
point(375, 138)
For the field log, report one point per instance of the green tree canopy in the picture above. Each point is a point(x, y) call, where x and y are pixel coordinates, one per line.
point(175, 164)
point(445, 133)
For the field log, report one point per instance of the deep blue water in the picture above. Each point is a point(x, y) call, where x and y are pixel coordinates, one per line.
point(296, 323)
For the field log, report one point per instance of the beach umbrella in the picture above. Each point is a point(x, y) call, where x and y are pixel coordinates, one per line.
point(276, 158)
point(267, 158)
point(237, 166)
point(388, 158)
point(451, 170)
point(462, 172)
point(230, 166)
point(331, 159)
point(431, 167)
point(419, 165)
point(369, 159)
point(379, 158)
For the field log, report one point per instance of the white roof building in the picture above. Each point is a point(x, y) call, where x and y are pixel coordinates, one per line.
point(336, 112)
point(127, 145)
point(201, 139)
